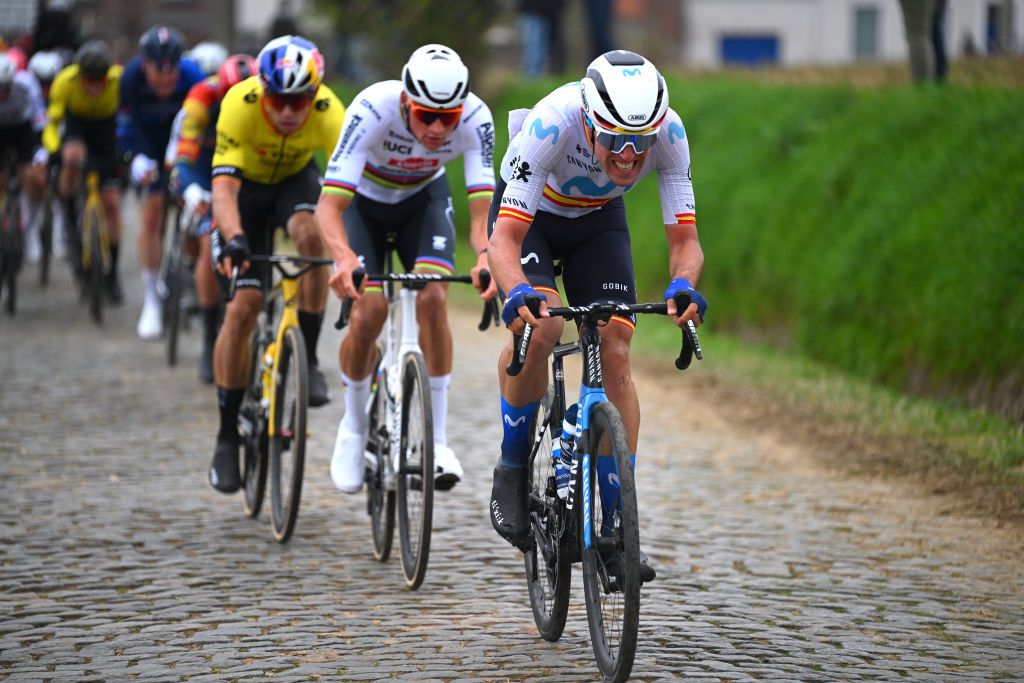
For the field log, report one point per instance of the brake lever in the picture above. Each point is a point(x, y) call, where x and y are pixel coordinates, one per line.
point(491, 313)
point(346, 304)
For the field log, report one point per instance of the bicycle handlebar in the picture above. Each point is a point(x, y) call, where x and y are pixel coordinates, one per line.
point(690, 344)
point(304, 264)
point(418, 281)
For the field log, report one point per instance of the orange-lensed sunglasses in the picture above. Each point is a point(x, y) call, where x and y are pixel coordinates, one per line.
point(427, 115)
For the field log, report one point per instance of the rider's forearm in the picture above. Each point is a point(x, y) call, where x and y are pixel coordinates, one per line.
point(478, 209)
point(685, 256)
point(225, 207)
point(329, 210)
point(503, 252)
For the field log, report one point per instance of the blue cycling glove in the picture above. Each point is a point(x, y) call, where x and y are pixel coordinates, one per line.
point(517, 298)
point(681, 285)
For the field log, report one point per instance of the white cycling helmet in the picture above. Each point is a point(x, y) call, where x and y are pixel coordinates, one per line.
point(45, 65)
point(7, 69)
point(624, 93)
point(435, 77)
point(208, 55)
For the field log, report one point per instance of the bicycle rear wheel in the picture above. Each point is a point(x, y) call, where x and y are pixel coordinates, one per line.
point(611, 566)
point(415, 476)
point(45, 225)
point(252, 425)
point(548, 568)
point(93, 263)
point(380, 493)
point(288, 444)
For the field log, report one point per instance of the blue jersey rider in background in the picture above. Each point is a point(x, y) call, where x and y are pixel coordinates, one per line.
point(153, 89)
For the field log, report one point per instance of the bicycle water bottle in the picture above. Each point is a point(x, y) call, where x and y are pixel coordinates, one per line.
point(562, 450)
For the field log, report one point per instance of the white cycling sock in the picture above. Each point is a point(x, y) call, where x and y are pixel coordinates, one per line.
point(356, 393)
point(439, 407)
point(149, 283)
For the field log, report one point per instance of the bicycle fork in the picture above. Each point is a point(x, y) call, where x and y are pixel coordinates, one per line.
point(407, 341)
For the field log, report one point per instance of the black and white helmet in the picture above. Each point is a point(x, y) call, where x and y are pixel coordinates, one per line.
point(435, 77)
point(624, 93)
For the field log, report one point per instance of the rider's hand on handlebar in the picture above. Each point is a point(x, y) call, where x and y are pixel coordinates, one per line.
point(341, 280)
point(698, 305)
point(492, 288)
point(143, 170)
point(516, 314)
point(234, 252)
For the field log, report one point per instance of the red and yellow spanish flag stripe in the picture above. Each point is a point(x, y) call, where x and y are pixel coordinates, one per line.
point(573, 202)
point(686, 219)
point(623, 321)
point(515, 214)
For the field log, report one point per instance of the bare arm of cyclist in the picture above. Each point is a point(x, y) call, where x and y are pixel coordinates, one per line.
point(685, 260)
point(329, 210)
point(478, 209)
point(225, 213)
point(503, 258)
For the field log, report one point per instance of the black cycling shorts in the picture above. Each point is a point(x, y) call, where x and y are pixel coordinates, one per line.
point(262, 209)
point(423, 226)
point(100, 138)
point(22, 139)
point(594, 249)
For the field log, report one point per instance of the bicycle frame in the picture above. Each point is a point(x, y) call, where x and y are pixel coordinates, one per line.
point(94, 203)
point(289, 288)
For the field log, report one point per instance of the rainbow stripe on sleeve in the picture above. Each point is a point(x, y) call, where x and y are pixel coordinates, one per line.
point(479, 191)
point(339, 187)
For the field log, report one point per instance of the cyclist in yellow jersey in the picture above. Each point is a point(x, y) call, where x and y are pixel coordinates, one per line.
point(84, 99)
point(269, 128)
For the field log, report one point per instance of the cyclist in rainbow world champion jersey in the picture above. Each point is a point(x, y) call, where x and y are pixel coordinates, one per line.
point(190, 153)
point(387, 176)
point(153, 88)
point(570, 160)
point(268, 130)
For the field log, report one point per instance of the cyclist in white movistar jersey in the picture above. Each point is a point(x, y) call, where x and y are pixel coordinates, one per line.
point(570, 160)
point(386, 176)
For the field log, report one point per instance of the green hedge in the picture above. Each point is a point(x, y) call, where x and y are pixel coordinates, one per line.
point(878, 230)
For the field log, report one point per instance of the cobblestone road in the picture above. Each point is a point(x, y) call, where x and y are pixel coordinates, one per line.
point(118, 562)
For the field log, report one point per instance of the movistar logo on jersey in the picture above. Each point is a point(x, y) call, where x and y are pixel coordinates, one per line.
point(586, 186)
point(541, 133)
point(631, 72)
point(675, 131)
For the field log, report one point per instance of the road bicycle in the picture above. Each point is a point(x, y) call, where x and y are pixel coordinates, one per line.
point(400, 439)
point(176, 276)
point(89, 245)
point(272, 419)
point(578, 528)
point(12, 241)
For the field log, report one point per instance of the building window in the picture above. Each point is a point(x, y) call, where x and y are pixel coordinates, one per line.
point(750, 50)
point(865, 33)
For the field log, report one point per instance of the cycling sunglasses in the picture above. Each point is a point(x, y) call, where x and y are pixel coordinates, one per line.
point(616, 142)
point(427, 116)
point(293, 102)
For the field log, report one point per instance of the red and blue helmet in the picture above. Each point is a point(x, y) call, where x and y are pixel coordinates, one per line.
point(290, 65)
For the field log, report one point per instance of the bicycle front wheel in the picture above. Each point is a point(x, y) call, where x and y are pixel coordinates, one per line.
point(175, 280)
point(93, 263)
point(415, 475)
point(45, 223)
point(380, 489)
point(288, 444)
point(611, 566)
point(548, 569)
point(252, 426)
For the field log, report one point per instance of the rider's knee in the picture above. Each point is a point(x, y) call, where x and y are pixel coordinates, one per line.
point(242, 312)
point(303, 232)
point(431, 301)
point(615, 343)
point(367, 318)
point(72, 156)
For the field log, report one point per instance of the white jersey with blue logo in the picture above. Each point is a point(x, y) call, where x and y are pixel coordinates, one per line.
point(24, 103)
point(377, 157)
point(550, 166)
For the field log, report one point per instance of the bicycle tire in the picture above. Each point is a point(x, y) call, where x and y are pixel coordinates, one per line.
point(548, 567)
point(172, 304)
point(380, 497)
point(13, 252)
point(414, 480)
point(94, 269)
point(611, 566)
point(45, 225)
point(288, 444)
point(252, 425)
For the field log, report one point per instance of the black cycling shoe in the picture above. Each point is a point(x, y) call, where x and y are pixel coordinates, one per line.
point(317, 388)
point(224, 474)
point(614, 567)
point(509, 512)
point(112, 289)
